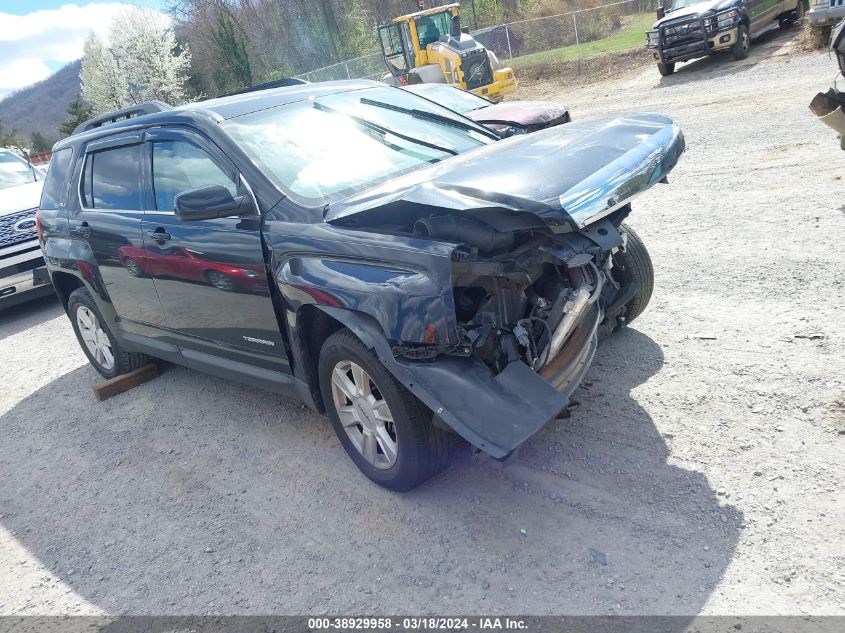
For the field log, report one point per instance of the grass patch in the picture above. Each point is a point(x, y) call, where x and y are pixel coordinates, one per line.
point(630, 35)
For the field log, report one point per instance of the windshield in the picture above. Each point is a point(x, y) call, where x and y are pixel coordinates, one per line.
point(331, 147)
point(14, 171)
point(450, 97)
point(680, 4)
point(431, 27)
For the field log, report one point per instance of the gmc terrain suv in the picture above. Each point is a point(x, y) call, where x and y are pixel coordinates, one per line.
point(22, 272)
point(380, 257)
point(688, 29)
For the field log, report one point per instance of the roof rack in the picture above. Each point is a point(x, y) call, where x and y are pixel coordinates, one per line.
point(139, 109)
point(276, 83)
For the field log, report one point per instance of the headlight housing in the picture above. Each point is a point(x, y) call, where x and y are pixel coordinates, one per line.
point(652, 38)
point(727, 19)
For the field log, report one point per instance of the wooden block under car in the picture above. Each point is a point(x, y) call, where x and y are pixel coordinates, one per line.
point(125, 382)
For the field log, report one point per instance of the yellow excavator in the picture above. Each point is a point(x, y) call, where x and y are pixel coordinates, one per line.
point(430, 46)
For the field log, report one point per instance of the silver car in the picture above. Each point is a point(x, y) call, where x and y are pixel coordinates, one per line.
point(824, 12)
point(21, 264)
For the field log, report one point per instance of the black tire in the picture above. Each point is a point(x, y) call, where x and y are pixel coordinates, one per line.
point(422, 449)
point(741, 47)
point(786, 20)
point(123, 361)
point(633, 265)
point(666, 69)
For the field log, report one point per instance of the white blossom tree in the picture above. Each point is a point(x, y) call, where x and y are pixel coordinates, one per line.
point(155, 65)
point(104, 84)
point(145, 63)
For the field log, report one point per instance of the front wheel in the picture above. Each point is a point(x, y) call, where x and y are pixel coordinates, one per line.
point(387, 432)
point(665, 69)
point(740, 48)
point(632, 268)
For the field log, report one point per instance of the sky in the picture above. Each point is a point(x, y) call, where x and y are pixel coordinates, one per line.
point(37, 37)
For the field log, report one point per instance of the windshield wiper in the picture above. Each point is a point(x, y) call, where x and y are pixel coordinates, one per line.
point(433, 116)
point(384, 130)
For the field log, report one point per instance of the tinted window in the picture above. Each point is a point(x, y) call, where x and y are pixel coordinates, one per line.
point(56, 182)
point(181, 166)
point(112, 179)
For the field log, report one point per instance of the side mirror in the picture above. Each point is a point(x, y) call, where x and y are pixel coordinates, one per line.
point(661, 12)
point(208, 203)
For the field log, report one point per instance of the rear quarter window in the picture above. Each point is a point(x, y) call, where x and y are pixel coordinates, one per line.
point(56, 182)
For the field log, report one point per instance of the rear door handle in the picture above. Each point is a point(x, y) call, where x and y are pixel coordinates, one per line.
point(159, 235)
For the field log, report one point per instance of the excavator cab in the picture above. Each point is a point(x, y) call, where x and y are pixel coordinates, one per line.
point(430, 46)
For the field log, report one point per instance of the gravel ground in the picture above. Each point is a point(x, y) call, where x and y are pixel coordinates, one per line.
point(702, 473)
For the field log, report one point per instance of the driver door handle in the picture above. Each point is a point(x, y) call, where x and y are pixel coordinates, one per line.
point(159, 235)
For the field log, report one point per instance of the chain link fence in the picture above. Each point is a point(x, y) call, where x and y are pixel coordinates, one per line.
point(561, 38)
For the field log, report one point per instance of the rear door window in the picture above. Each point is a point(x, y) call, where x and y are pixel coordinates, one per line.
point(55, 184)
point(112, 179)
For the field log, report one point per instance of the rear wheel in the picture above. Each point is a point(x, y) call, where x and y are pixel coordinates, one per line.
point(740, 48)
point(795, 17)
point(633, 266)
point(666, 69)
point(133, 267)
point(387, 432)
point(98, 343)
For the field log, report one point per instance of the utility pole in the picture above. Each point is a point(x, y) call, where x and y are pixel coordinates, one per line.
point(474, 15)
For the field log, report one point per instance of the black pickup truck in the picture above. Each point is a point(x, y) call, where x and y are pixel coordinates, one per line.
point(376, 255)
point(688, 29)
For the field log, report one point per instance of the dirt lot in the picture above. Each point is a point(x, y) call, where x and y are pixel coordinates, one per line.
point(702, 474)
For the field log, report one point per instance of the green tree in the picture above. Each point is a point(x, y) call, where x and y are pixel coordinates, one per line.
point(39, 143)
point(232, 67)
point(77, 113)
point(9, 137)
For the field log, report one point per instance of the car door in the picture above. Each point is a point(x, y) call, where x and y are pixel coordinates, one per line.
point(106, 216)
point(215, 296)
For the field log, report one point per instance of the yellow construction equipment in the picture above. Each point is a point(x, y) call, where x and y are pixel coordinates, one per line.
point(430, 46)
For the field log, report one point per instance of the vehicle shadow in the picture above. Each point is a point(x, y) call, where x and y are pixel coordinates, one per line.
point(29, 314)
point(193, 495)
point(762, 47)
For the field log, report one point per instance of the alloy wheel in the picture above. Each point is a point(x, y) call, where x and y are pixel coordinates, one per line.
point(95, 338)
point(364, 414)
point(220, 281)
point(132, 267)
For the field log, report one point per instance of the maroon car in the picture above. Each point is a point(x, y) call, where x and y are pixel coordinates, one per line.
point(507, 118)
point(191, 265)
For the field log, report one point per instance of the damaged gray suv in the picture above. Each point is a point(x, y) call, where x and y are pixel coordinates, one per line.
point(384, 259)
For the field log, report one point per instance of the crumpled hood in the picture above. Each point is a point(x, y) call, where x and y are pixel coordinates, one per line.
point(696, 9)
point(20, 197)
point(519, 112)
point(568, 175)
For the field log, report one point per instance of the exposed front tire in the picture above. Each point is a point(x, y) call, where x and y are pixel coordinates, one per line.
point(633, 266)
point(665, 69)
point(386, 431)
point(98, 343)
point(742, 46)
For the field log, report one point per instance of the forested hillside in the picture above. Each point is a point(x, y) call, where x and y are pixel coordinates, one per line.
point(42, 106)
